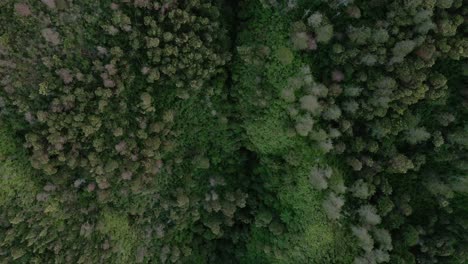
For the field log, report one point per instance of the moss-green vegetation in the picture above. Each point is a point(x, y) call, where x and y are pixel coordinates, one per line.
point(212, 131)
point(297, 230)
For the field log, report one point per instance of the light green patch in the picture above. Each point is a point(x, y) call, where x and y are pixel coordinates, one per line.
point(15, 172)
point(117, 227)
point(285, 55)
point(270, 135)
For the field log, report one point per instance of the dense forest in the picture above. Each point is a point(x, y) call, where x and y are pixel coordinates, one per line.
point(225, 131)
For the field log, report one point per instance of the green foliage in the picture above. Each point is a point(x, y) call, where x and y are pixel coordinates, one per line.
point(360, 93)
point(68, 128)
point(15, 172)
point(120, 233)
point(211, 131)
point(291, 222)
point(122, 110)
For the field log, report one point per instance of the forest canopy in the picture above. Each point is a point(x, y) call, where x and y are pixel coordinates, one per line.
point(218, 131)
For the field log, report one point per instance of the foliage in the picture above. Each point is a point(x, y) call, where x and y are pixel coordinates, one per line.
point(122, 109)
point(212, 131)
